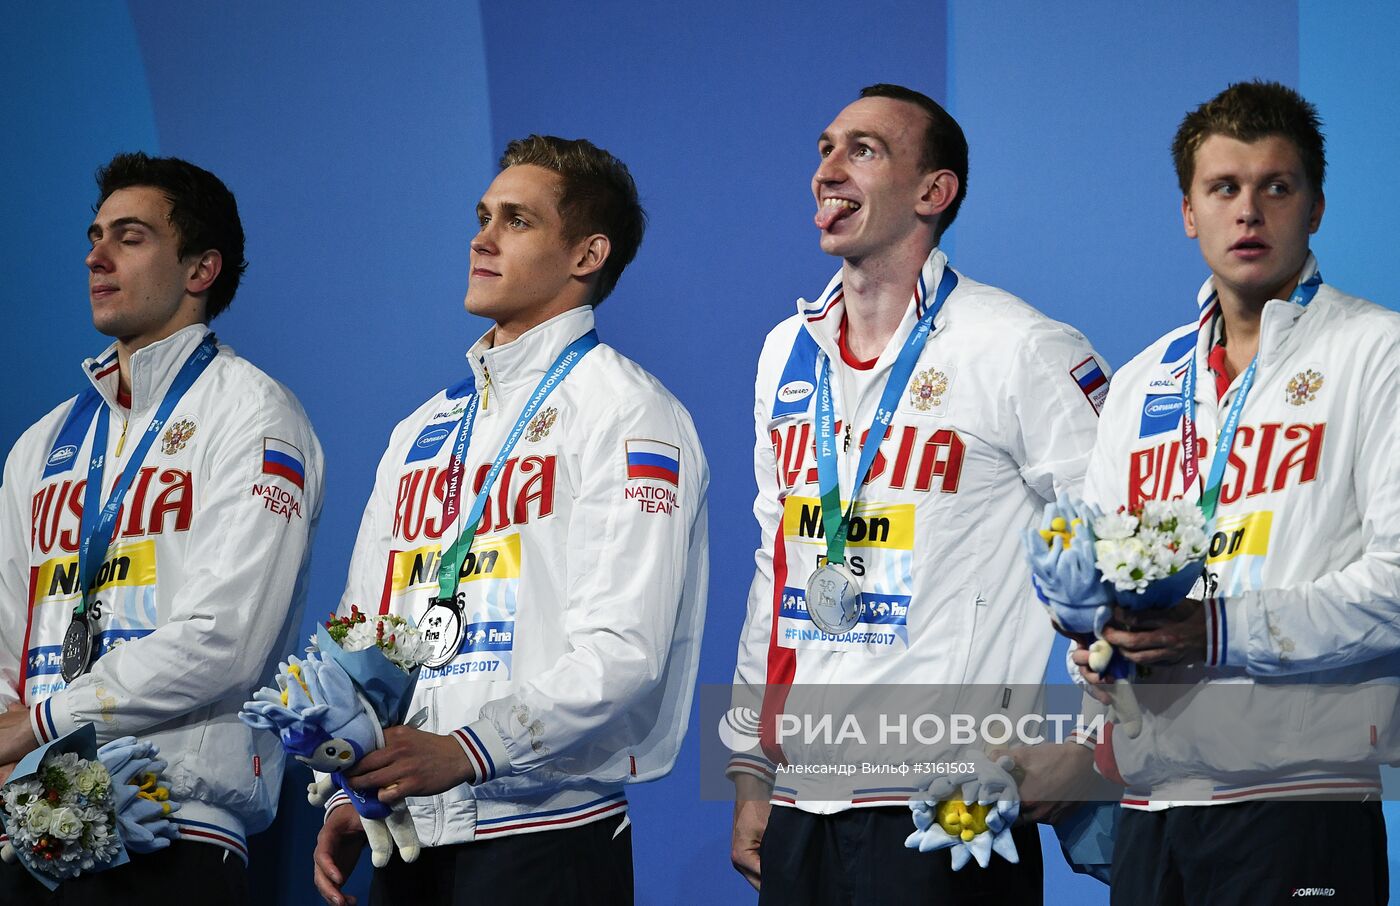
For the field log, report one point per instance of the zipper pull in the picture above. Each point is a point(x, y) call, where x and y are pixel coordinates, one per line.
point(121, 441)
point(486, 389)
point(846, 448)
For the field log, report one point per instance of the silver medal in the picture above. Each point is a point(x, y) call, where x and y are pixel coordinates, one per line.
point(442, 627)
point(77, 648)
point(833, 599)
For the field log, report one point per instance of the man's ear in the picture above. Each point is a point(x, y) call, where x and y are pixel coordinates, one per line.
point(937, 192)
point(592, 253)
point(1315, 219)
point(204, 270)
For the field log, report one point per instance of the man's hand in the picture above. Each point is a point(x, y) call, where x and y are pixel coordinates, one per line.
point(1151, 638)
point(1098, 684)
point(338, 848)
point(1057, 778)
point(751, 808)
point(16, 736)
point(412, 763)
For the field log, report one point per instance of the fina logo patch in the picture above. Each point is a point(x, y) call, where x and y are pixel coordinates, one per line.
point(793, 391)
point(62, 454)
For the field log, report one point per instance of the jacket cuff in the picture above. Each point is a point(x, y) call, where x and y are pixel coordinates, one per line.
point(1226, 636)
point(485, 750)
point(1084, 738)
point(49, 720)
point(1104, 760)
point(753, 765)
point(336, 800)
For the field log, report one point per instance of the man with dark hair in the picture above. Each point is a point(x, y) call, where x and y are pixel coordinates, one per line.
point(154, 535)
point(950, 410)
point(1302, 581)
point(564, 588)
point(203, 213)
point(944, 145)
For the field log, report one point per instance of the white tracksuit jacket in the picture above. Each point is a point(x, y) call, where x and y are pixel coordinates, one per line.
point(203, 586)
point(1304, 560)
point(585, 587)
point(999, 415)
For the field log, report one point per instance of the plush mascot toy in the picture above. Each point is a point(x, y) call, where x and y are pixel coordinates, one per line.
point(325, 723)
point(971, 814)
point(1066, 578)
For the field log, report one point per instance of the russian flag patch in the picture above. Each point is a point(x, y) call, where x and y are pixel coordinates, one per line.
point(1093, 383)
point(283, 460)
point(653, 459)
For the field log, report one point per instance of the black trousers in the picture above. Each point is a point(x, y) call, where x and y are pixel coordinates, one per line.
point(183, 872)
point(1252, 852)
point(857, 858)
point(581, 865)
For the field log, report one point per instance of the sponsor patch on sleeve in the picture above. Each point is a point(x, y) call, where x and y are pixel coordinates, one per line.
point(430, 440)
point(284, 461)
point(653, 459)
point(1160, 412)
point(1092, 381)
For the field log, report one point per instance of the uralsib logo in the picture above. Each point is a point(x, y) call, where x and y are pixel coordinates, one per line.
point(793, 391)
point(62, 455)
point(738, 729)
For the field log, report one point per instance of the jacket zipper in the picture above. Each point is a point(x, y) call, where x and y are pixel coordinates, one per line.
point(121, 440)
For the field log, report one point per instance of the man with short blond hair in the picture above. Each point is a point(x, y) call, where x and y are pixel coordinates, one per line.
point(557, 498)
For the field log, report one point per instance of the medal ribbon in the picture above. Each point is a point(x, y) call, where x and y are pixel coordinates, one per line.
point(96, 530)
point(1210, 495)
point(450, 565)
point(835, 522)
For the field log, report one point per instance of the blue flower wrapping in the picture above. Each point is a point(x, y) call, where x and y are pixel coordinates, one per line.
point(386, 687)
point(83, 743)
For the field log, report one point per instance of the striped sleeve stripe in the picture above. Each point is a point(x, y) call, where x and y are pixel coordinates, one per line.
point(1078, 735)
point(558, 819)
point(1216, 637)
point(203, 832)
point(481, 761)
point(748, 764)
point(339, 798)
point(41, 719)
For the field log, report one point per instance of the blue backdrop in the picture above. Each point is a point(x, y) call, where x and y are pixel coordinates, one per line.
point(358, 140)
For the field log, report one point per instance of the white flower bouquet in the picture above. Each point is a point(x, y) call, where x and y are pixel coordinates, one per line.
point(399, 640)
point(1152, 554)
point(71, 808)
point(62, 819)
